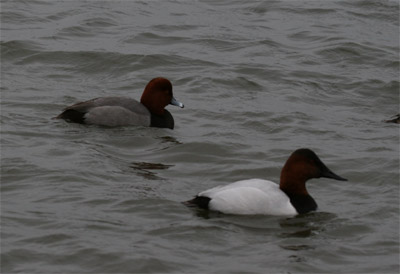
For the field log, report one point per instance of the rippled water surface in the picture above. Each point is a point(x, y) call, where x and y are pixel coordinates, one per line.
point(259, 79)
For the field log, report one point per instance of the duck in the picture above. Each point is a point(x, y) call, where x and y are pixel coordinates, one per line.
point(394, 119)
point(264, 197)
point(124, 111)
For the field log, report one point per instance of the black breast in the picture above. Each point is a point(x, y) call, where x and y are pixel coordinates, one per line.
point(303, 203)
point(164, 121)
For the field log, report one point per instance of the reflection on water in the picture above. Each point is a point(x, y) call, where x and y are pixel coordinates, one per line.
point(305, 225)
point(204, 213)
point(170, 139)
point(146, 170)
point(297, 247)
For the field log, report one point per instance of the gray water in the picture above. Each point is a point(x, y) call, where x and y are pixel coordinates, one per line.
point(259, 79)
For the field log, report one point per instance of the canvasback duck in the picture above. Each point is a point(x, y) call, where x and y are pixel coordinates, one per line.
point(123, 111)
point(257, 196)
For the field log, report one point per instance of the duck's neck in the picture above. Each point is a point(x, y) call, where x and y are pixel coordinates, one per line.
point(303, 203)
point(292, 182)
point(295, 189)
point(153, 107)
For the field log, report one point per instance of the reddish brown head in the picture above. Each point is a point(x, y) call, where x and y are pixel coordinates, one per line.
point(157, 95)
point(301, 166)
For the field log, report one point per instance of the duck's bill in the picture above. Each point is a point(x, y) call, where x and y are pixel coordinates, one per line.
point(174, 102)
point(329, 174)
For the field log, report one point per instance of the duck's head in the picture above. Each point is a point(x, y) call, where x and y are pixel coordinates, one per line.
point(301, 166)
point(157, 95)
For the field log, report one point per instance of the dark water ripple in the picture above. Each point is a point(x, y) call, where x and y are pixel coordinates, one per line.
point(258, 79)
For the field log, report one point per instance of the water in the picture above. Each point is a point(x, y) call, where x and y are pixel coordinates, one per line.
point(259, 79)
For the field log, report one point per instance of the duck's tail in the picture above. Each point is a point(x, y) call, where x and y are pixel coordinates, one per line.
point(198, 201)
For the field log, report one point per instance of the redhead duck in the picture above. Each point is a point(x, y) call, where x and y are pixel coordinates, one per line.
point(123, 111)
point(257, 196)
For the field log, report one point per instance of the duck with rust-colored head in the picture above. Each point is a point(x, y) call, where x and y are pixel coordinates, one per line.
point(123, 111)
point(257, 196)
